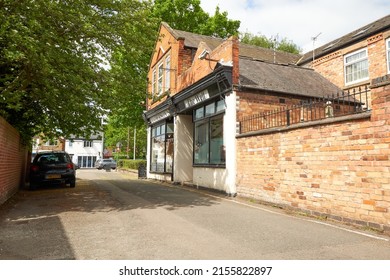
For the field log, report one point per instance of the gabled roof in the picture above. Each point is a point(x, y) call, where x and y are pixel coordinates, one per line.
point(282, 78)
point(269, 55)
point(349, 39)
point(192, 40)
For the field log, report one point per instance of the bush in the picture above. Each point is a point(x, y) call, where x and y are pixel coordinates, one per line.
point(131, 164)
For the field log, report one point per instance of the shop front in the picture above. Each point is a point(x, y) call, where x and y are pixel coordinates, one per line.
point(191, 135)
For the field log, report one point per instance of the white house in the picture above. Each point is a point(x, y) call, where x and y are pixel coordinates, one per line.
point(85, 152)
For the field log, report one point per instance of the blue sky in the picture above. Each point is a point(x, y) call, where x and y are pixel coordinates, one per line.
point(300, 20)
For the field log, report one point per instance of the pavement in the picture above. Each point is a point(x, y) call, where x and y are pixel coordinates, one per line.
point(113, 215)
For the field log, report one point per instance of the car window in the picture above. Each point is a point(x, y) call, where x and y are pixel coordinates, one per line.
point(52, 159)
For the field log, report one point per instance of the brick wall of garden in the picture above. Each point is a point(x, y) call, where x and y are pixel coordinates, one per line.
point(339, 170)
point(13, 160)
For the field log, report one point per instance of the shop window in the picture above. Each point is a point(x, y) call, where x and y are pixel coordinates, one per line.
point(356, 67)
point(209, 147)
point(162, 148)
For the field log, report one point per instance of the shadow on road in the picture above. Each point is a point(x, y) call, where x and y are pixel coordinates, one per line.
point(31, 221)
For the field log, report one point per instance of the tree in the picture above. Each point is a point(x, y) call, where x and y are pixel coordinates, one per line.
point(125, 135)
point(270, 43)
point(55, 59)
point(188, 15)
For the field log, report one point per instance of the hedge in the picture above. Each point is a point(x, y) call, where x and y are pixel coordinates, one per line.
point(131, 164)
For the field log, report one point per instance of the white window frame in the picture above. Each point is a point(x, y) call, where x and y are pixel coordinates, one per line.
point(355, 62)
point(388, 54)
point(154, 81)
point(168, 73)
point(160, 78)
point(51, 142)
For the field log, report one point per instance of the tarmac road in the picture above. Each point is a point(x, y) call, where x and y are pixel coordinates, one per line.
point(112, 216)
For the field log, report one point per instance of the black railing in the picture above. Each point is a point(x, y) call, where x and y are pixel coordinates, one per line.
point(340, 104)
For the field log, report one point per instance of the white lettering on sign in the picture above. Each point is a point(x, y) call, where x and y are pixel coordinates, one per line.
point(197, 98)
point(160, 116)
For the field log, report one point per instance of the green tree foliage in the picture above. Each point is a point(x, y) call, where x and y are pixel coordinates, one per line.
point(188, 15)
point(115, 134)
point(54, 62)
point(284, 44)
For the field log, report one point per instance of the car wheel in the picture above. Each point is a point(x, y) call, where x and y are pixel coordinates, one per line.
point(72, 184)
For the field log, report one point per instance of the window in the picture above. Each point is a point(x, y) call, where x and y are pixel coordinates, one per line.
point(162, 148)
point(388, 54)
point(356, 67)
point(51, 143)
point(209, 148)
point(86, 161)
point(160, 79)
point(87, 144)
point(168, 73)
point(154, 82)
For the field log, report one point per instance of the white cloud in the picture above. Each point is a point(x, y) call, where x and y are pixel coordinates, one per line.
point(300, 20)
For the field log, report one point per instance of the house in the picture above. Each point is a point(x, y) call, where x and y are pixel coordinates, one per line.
point(197, 83)
point(85, 151)
point(40, 144)
point(338, 166)
point(355, 59)
point(276, 127)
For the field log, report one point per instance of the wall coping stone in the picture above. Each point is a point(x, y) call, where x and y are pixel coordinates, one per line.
point(359, 116)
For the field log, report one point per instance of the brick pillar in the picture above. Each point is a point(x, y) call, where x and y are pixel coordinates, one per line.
point(380, 91)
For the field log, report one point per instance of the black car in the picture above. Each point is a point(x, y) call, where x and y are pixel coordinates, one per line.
point(53, 167)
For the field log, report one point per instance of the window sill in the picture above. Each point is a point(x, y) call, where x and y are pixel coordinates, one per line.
point(160, 173)
point(209, 165)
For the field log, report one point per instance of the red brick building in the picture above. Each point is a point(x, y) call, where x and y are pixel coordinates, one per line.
point(262, 124)
point(336, 167)
point(199, 89)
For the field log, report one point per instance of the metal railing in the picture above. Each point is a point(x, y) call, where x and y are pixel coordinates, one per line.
point(341, 104)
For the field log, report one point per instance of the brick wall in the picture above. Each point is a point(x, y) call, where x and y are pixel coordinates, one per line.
point(256, 103)
point(331, 66)
point(13, 160)
point(340, 170)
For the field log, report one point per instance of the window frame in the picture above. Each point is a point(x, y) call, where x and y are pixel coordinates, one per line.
point(167, 72)
point(388, 54)
point(355, 62)
point(160, 78)
point(167, 136)
point(208, 119)
point(154, 81)
point(87, 144)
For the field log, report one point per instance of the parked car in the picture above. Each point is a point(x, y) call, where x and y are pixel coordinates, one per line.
point(105, 163)
point(52, 167)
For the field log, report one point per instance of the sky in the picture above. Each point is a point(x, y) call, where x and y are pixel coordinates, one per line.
point(301, 20)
